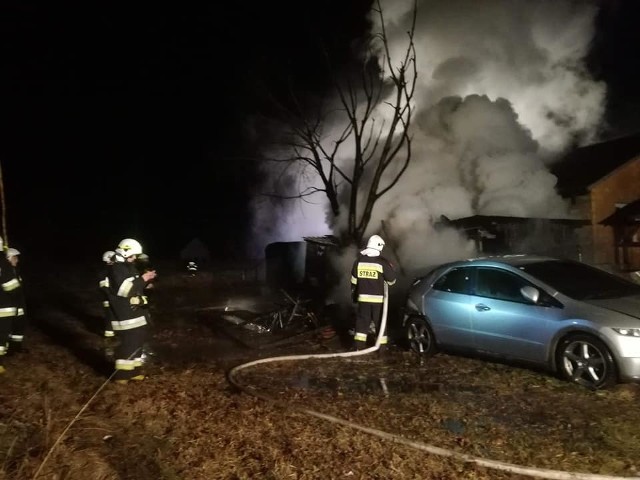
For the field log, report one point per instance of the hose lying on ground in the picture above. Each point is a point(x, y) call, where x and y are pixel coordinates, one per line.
point(483, 462)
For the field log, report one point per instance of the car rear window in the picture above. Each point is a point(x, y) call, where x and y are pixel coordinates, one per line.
point(579, 280)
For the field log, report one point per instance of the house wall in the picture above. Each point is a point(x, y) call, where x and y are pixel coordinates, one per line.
point(581, 208)
point(621, 186)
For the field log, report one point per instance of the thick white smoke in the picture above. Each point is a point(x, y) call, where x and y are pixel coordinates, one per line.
point(530, 53)
point(502, 91)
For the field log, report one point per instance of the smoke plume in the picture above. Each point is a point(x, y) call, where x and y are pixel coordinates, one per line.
point(503, 90)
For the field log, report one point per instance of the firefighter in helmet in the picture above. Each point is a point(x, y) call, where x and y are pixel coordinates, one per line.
point(192, 268)
point(10, 302)
point(369, 274)
point(126, 296)
point(19, 326)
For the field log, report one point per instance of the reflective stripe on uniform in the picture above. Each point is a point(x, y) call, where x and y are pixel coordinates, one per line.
point(369, 270)
point(360, 337)
point(104, 283)
point(126, 287)
point(8, 312)
point(3, 350)
point(364, 297)
point(16, 338)
point(11, 285)
point(105, 303)
point(139, 300)
point(125, 364)
point(20, 311)
point(129, 324)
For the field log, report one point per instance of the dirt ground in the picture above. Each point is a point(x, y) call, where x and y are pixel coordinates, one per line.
point(203, 414)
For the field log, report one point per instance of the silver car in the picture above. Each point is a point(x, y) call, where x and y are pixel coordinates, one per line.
point(573, 319)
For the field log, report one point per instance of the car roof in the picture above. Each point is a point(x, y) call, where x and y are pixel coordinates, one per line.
point(512, 260)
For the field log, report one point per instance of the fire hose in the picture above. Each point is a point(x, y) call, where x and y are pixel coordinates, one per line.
point(432, 449)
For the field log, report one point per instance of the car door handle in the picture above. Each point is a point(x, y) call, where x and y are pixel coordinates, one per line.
point(481, 307)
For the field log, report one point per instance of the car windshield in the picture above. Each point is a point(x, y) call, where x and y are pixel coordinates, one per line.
point(581, 281)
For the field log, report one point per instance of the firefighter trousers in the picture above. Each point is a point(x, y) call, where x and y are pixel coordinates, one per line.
point(367, 314)
point(128, 352)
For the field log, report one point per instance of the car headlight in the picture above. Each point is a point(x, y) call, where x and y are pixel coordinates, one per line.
point(628, 332)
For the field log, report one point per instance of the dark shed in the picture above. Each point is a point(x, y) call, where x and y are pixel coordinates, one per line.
point(498, 235)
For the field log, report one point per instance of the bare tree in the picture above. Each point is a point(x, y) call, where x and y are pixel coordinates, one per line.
point(381, 148)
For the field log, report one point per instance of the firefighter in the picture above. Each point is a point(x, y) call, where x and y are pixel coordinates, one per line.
point(369, 274)
point(10, 295)
point(126, 296)
point(19, 324)
point(192, 268)
point(107, 313)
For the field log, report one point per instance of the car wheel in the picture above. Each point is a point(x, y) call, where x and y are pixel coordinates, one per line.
point(587, 361)
point(419, 336)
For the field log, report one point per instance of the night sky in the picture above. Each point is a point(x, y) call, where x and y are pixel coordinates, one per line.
point(129, 120)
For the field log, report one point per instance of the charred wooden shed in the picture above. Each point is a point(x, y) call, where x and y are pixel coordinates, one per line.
point(300, 265)
point(501, 235)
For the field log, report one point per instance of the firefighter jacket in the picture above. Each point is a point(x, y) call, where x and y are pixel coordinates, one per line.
point(125, 292)
point(11, 295)
point(368, 276)
point(19, 293)
point(103, 286)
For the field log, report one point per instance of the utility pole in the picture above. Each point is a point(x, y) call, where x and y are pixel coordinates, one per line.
point(4, 211)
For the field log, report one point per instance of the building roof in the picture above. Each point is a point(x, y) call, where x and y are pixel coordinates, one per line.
point(578, 171)
point(327, 240)
point(627, 215)
point(484, 221)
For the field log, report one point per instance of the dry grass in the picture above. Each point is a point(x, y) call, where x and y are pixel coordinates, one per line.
point(482, 409)
point(187, 422)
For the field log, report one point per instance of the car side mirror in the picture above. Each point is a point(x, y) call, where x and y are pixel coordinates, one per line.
point(530, 293)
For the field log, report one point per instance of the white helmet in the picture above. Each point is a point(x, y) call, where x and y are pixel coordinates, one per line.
point(129, 247)
point(108, 255)
point(12, 252)
point(376, 242)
